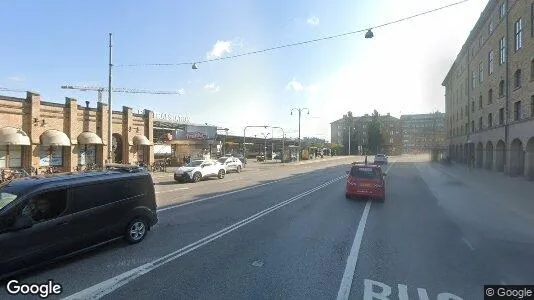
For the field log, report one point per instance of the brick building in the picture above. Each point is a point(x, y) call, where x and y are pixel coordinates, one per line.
point(39, 134)
point(423, 132)
point(390, 128)
point(490, 91)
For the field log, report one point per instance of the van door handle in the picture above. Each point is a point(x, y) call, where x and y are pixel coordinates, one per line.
point(62, 223)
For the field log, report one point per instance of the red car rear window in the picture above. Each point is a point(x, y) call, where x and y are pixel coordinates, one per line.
point(365, 172)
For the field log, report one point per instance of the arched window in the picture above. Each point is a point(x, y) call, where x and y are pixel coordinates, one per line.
point(517, 78)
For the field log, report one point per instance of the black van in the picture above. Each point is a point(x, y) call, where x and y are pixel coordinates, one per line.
point(43, 218)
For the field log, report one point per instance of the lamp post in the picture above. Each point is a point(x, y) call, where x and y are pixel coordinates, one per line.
point(283, 140)
point(265, 135)
point(244, 137)
point(300, 110)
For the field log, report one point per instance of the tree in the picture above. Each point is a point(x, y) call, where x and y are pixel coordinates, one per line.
point(374, 134)
point(336, 147)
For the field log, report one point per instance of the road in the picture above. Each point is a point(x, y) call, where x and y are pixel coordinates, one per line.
point(289, 233)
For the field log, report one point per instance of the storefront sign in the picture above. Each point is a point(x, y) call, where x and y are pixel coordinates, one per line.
point(171, 118)
point(196, 135)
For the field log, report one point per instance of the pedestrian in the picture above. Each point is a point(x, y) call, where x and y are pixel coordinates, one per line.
point(365, 159)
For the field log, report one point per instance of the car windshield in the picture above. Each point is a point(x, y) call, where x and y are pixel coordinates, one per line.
point(222, 160)
point(6, 198)
point(365, 172)
point(194, 163)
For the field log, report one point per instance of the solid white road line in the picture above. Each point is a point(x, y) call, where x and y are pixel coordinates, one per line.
point(352, 259)
point(468, 244)
point(106, 287)
point(173, 190)
point(346, 282)
point(227, 193)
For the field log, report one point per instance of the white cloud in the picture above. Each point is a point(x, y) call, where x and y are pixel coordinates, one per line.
point(219, 49)
point(313, 21)
point(294, 86)
point(16, 78)
point(211, 87)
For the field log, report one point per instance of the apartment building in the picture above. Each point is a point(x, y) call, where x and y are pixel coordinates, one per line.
point(390, 128)
point(423, 132)
point(489, 91)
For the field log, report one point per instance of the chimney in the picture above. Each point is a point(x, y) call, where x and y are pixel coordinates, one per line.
point(87, 104)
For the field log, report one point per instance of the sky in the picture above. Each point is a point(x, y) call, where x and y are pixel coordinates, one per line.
point(47, 44)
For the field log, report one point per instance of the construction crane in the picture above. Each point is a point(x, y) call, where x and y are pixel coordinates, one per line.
point(100, 90)
point(3, 89)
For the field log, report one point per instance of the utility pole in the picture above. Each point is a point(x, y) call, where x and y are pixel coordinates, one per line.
point(300, 110)
point(265, 135)
point(110, 110)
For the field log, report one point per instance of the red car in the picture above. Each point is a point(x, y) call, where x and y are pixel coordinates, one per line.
point(366, 181)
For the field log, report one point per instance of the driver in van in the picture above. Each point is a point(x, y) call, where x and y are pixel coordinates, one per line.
point(39, 209)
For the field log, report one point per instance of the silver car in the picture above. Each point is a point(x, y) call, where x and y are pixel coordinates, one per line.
point(381, 159)
point(231, 164)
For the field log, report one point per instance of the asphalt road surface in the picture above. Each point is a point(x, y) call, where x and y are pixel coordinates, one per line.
point(289, 233)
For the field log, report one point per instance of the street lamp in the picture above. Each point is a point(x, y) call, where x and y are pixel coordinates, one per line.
point(300, 110)
point(265, 135)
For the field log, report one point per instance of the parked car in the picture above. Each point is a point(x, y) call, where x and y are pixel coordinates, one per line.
point(197, 170)
point(366, 181)
point(46, 218)
point(381, 159)
point(231, 164)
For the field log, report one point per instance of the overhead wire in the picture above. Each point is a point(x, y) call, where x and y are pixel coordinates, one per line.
point(294, 44)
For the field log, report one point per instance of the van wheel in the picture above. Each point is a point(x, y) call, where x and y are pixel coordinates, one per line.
point(221, 174)
point(196, 177)
point(136, 231)
point(238, 169)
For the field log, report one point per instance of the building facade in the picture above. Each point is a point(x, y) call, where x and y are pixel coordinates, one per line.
point(423, 132)
point(489, 91)
point(36, 135)
point(357, 127)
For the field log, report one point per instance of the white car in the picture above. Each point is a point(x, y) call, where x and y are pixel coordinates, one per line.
point(231, 164)
point(381, 159)
point(197, 170)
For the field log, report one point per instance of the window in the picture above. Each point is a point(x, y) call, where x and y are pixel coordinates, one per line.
point(473, 126)
point(517, 111)
point(473, 75)
point(47, 153)
point(480, 123)
point(481, 40)
point(503, 9)
point(10, 156)
point(46, 206)
point(501, 88)
point(501, 116)
point(532, 19)
point(140, 153)
point(532, 106)
point(480, 102)
point(87, 155)
point(490, 96)
point(490, 120)
point(502, 51)
point(490, 62)
point(480, 73)
point(466, 128)
point(532, 70)
point(472, 106)
point(518, 28)
point(490, 27)
point(517, 78)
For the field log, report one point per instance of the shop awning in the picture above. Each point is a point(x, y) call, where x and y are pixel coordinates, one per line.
point(141, 140)
point(88, 138)
point(54, 138)
point(13, 136)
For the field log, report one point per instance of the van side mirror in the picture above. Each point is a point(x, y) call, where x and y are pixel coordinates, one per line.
point(22, 222)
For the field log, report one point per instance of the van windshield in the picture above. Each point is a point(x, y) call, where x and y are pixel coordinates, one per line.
point(6, 198)
point(365, 172)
